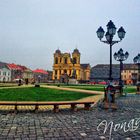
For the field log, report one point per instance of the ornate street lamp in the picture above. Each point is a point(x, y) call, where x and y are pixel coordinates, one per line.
point(121, 56)
point(137, 61)
point(111, 31)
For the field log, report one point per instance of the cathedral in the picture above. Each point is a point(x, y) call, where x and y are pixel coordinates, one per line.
point(67, 65)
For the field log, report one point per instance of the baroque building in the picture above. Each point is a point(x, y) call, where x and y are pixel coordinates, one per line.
point(66, 64)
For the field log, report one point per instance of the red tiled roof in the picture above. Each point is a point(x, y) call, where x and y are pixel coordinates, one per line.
point(22, 67)
point(14, 66)
point(40, 71)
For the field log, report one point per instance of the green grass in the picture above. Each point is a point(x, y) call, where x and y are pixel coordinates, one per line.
point(39, 94)
point(130, 89)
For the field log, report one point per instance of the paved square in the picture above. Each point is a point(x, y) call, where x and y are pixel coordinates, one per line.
point(68, 125)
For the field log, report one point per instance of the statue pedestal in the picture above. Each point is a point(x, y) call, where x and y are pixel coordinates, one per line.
point(73, 81)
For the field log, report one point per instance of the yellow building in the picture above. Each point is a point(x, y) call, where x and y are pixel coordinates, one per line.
point(65, 64)
point(130, 74)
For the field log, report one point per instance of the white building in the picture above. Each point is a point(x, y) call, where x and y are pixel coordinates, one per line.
point(5, 73)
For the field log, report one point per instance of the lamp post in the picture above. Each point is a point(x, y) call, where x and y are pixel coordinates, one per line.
point(137, 61)
point(121, 56)
point(111, 31)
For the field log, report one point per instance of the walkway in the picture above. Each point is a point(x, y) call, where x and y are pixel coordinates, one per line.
point(81, 125)
point(73, 89)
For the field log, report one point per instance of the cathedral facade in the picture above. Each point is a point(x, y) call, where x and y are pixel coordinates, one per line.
point(66, 64)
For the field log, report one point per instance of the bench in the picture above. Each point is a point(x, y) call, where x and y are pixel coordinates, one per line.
point(73, 104)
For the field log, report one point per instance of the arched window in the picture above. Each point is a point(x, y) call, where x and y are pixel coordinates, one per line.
point(65, 60)
point(65, 71)
point(56, 60)
point(74, 60)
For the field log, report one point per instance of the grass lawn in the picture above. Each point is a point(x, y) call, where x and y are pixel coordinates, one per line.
point(39, 94)
point(130, 89)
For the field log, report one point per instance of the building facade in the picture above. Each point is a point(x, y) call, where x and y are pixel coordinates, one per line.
point(66, 64)
point(101, 72)
point(85, 72)
point(16, 72)
point(27, 74)
point(129, 73)
point(40, 76)
point(5, 73)
point(50, 73)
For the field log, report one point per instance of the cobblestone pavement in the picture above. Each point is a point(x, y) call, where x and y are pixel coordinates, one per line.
point(67, 125)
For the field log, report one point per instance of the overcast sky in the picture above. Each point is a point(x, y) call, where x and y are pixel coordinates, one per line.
point(31, 30)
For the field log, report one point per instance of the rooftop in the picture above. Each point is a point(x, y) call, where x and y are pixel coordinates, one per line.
point(40, 71)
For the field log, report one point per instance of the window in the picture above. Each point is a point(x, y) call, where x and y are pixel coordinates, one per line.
point(56, 60)
point(70, 73)
point(74, 60)
point(65, 71)
point(65, 60)
point(55, 72)
point(4, 73)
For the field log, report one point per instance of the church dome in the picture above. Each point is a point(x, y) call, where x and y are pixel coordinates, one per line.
point(57, 51)
point(76, 51)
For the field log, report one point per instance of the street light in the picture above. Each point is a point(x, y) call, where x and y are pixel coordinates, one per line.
point(121, 56)
point(111, 31)
point(137, 61)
